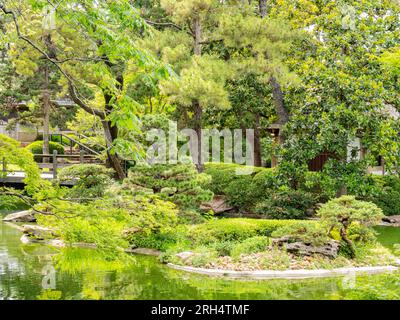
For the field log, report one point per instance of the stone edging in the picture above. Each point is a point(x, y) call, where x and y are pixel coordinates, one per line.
point(286, 274)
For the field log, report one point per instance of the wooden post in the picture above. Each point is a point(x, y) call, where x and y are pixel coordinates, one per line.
point(81, 156)
point(54, 164)
point(4, 165)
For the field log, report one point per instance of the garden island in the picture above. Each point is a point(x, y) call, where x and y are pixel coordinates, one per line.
point(178, 144)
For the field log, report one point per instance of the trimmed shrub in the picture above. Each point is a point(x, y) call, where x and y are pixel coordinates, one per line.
point(242, 190)
point(305, 232)
point(180, 184)
point(341, 213)
point(57, 138)
point(236, 229)
point(37, 148)
point(92, 180)
point(286, 205)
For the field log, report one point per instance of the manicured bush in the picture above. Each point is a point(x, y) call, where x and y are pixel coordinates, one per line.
point(243, 191)
point(288, 204)
point(235, 229)
point(341, 213)
point(37, 148)
point(305, 232)
point(91, 180)
point(180, 184)
point(57, 138)
point(251, 245)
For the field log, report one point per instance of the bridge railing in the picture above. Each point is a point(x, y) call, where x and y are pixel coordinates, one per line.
point(55, 164)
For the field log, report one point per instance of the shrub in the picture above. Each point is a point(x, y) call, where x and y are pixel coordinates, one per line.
point(251, 245)
point(37, 148)
point(240, 194)
point(358, 233)
point(237, 229)
point(111, 223)
point(91, 180)
point(286, 205)
point(65, 141)
point(242, 190)
point(203, 257)
point(149, 214)
point(11, 152)
point(320, 185)
point(180, 184)
point(223, 248)
point(97, 222)
point(314, 234)
point(340, 213)
point(386, 195)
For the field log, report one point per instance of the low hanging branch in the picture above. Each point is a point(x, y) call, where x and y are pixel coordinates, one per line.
point(28, 201)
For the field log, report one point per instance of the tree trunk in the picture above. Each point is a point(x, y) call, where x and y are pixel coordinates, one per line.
point(198, 111)
point(257, 142)
point(46, 115)
point(111, 134)
point(197, 36)
point(342, 191)
point(343, 235)
point(277, 94)
point(262, 5)
point(198, 159)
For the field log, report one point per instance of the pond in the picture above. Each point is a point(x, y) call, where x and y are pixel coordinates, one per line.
point(40, 272)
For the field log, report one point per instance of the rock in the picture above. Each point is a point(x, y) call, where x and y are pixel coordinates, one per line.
point(22, 216)
point(392, 219)
point(218, 205)
point(38, 232)
point(26, 239)
point(130, 231)
point(330, 249)
point(185, 255)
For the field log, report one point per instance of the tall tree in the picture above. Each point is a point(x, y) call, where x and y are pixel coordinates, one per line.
point(344, 94)
point(258, 45)
point(190, 26)
point(93, 43)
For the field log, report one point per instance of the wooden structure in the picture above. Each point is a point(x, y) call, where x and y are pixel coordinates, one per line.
point(58, 161)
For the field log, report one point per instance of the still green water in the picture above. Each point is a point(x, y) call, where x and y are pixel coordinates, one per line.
point(40, 272)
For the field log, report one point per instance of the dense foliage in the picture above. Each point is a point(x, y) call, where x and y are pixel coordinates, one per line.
point(343, 212)
point(90, 181)
point(180, 183)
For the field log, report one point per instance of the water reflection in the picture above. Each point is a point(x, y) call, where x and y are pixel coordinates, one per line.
point(26, 272)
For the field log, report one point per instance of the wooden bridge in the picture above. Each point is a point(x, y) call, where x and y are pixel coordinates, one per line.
point(55, 162)
point(76, 152)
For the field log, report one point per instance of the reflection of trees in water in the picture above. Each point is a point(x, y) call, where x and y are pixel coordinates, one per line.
point(93, 274)
point(145, 278)
point(19, 271)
